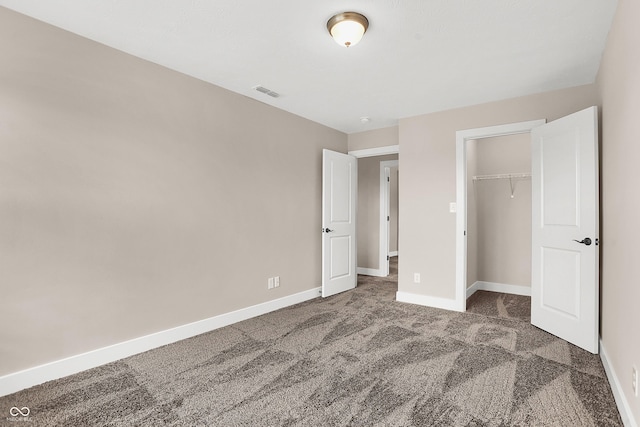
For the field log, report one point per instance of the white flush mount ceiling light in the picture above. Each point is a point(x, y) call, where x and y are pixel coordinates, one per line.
point(347, 28)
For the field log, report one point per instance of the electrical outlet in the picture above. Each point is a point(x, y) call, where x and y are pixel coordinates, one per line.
point(270, 283)
point(276, 282)
point(416, 277)
point(634, 380)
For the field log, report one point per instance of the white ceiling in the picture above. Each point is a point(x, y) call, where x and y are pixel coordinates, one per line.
point(418, 56)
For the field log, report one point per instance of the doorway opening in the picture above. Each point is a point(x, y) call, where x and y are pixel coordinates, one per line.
point(377, 212)
point(389, 176)
point(462, 189)
point(499, 215)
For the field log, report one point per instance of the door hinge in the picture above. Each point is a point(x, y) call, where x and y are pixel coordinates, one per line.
point(388, 180)
point(387, 257)
point(387, 217)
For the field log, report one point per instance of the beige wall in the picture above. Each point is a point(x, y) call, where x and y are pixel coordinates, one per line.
point(619, 84)
point(373, 138)
point(135, 199)
point(428, 185)
point(504, 223)
point(368, 222)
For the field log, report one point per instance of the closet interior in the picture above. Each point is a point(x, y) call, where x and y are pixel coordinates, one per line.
point(499, 212)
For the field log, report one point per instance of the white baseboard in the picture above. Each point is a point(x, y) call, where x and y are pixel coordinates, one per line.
point(17, 381)
point(498, 287)
point(428, 301)
point(370, 272)
point(617, 389)
point(393, 253)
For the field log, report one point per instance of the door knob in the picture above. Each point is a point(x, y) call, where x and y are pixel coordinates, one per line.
point(326, 230)
point(585, 241)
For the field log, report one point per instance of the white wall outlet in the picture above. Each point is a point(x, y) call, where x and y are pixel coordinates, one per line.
point(453, 207)
point(634, 380)
point(276, 281)
point(270, 283)
point(416, 277)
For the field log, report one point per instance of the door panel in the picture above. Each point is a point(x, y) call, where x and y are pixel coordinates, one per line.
point(340, 256)
point(561, 179)
point(564, 282)
point(339, 192)
point(561, 276)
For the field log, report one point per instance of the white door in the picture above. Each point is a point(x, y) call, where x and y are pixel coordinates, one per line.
point(565, 251)
point(339, 197)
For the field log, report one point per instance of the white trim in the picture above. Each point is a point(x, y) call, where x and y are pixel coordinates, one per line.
point(462, 136)
point(17, 381)
point(379, 151)
point(383, 240)
point(393, 253)
point(618, 390)
point(498, 287)
point(371, 272)
point(428, 301)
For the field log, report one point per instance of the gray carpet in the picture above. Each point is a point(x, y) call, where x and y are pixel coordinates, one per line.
point(354, 359)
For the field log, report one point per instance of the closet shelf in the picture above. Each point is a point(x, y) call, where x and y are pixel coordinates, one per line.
point(510, 176)
point(502, 176)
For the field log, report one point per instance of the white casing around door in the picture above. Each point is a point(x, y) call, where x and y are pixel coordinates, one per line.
point(565, 282)
point(339, 200)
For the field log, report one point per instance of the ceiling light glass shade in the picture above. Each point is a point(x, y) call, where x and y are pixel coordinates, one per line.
point(347, 28)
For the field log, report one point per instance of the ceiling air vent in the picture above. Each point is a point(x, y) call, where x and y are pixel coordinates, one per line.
point(267, 91)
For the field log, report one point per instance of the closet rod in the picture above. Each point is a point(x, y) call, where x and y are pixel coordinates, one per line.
point(502, 176)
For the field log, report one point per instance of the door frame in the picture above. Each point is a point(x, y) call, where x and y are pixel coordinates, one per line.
point(375, 152)
point(462, 137)
point(385, 207)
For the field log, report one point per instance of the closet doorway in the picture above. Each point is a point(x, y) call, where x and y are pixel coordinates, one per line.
point(565, 217)
point(464, 185)
point(499, 214)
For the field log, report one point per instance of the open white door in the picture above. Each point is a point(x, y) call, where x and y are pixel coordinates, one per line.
point(565, 251)
point(339, 197)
